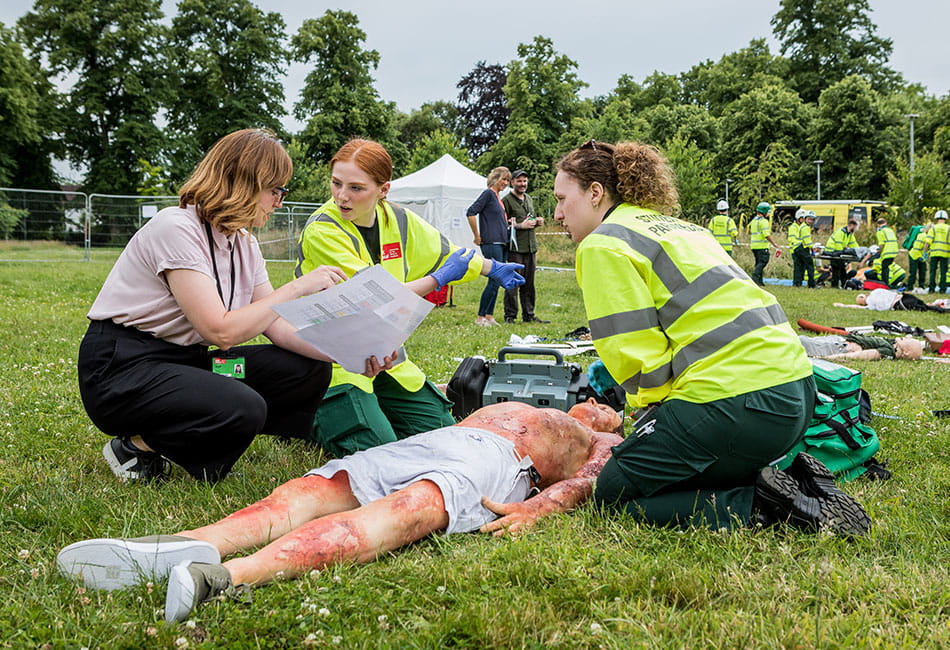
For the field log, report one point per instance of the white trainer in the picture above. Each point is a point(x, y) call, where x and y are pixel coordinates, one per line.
point(116, 563)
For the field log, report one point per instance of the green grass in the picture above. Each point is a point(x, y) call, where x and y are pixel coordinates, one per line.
point(583, 580)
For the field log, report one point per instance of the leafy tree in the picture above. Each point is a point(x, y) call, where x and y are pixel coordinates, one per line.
point(688, 121)
point(616, 122)
point(658, 88)
point(26, 102)
point(694, 178)
point(228, 70)
point(482, 107)
point(426, 120)
point(433, 146)
point(311, 180)
point(716, 85)
point(857, 139)
point(762, 177)
point(828, 40)
point(542, 95)
point(108, 53)
point(926, 186)
point(153, 181)
point(338, 100)
point(761, 117)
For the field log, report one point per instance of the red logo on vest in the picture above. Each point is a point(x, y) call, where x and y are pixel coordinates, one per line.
point(392, 251)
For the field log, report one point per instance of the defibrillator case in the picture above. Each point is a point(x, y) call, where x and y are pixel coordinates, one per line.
point(543, 383)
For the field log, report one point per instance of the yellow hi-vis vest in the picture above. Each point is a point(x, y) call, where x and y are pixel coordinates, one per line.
point(940, 240)
point(895, 272)
point(887, 240)
point(410, 248)
point(672, 316)
point(799, 234)
point(724, 230)
point(840, 240)
point(758, 228)
point(923, 238)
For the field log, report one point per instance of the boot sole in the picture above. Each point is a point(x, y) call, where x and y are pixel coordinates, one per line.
point(117, 563)
point(813, 477)
point(837, 511)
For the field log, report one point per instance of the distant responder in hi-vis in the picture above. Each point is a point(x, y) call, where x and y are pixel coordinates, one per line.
point(760, 236)
point(723, 227)
point(939, 248)
point(799, 242)
point(887, 240)
point(840, 240)
point(917, 261)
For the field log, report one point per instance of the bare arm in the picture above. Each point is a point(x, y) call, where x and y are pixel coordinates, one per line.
point(560, 497)
point(473, 224)
point(841, 304)
point(198, 298)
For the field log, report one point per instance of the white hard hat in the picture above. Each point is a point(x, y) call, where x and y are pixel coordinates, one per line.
point(800, 213)
point(874, 248)
point(940, 214)
point(809, 214)
point(722, 205)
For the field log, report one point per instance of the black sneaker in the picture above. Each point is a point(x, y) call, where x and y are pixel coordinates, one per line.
point(510, 320)
point(535, 319)
point(779, 499)
point(130, 463)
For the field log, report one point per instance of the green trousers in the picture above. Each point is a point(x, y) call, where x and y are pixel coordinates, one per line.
point(696, 465)
point(349, 419)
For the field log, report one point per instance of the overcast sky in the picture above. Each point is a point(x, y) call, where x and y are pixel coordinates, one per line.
point(426, 46)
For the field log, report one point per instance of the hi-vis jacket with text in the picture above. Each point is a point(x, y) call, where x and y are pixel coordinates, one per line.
point(724, 229)
point(887, 240)
point(410, 248)
point(799, 234)
point(840, 240)
point(672, 316)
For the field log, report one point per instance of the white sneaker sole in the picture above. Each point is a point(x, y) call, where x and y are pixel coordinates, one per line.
point(116, 563)
point(180, 597)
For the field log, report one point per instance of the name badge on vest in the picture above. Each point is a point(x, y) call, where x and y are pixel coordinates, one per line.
point(391, 251)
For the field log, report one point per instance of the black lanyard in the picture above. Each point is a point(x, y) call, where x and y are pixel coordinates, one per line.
point(214, 266)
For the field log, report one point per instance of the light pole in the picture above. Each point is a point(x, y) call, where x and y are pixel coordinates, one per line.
point(728, 180)
point(818, 165)
point(911, 116)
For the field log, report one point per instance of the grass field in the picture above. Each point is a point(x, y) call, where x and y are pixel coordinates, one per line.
point(583, 580)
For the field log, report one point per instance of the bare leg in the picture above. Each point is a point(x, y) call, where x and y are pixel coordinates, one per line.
point(288, 507)
point(359, 535)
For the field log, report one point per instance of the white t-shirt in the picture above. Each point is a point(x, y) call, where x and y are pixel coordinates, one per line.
point(882, 299)
point(136, 293)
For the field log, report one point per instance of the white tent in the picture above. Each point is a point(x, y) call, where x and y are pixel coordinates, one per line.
point(440, 194)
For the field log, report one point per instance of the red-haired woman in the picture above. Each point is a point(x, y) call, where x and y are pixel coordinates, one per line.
point(191, 278)
point(358, 228)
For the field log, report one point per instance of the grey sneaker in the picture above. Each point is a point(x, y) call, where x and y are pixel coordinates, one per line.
point(131, 463)
point(191, 583)
point(116, 563)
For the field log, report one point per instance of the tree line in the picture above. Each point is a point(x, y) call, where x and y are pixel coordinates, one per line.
point(135, 102)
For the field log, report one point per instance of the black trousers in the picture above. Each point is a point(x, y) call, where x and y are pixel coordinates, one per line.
point(133, 383)
point(838, 273)
point(761, 259)
point(909, 302)
point(803, 265)
point(526, 290)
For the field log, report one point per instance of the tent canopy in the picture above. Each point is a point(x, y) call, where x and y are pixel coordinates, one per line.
point(440, 193)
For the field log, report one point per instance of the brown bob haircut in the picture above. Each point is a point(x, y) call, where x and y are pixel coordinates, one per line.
point(227, 183)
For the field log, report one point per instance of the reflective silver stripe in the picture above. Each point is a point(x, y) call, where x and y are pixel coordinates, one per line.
point(684, 294)
point(322, 218)
point(402, 223)
point(708, 281)
point(653, 379)
point(713, 341)
point(445, 247)
point(623, 322)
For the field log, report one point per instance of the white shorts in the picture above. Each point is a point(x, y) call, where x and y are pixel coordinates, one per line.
point(466, 463)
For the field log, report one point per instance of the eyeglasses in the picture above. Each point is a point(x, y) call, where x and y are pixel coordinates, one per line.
point(279, 193)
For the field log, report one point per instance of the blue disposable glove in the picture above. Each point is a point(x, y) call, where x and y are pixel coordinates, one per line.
point(455, 267)
point(506, 274)
point(598, 377)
